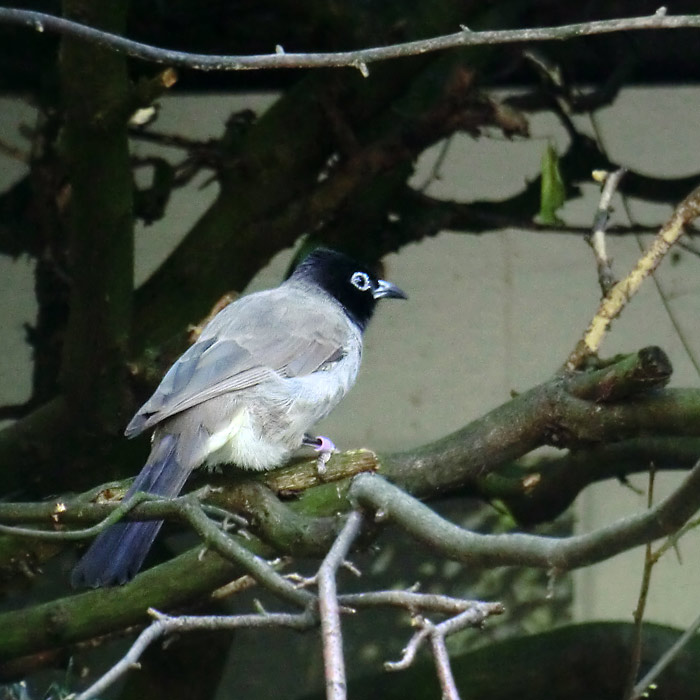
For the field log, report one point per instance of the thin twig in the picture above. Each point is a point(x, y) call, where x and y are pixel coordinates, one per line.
point(164, 625)
point(70, 535)
point(436, 634)
point(621, 293)
point(472, 613)
point(329, 609)
point(171, 140)
point(475, 617)
point(665, 302)
point(435, 170)
point(656, 670)
point(672, 541)
point(606, 279)
point(649, 561)
point(443, 667)
point(409, 600)
point(245, 582)
point(409, 651)
point(470, 618)
point(689, 351)
point(356, 59)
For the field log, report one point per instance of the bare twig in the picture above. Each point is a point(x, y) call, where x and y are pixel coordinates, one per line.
point(436, 634)
point(672, 317)
point(164, 625)
point(443, 667)
point(410, 600)
point(170, 140)
point(621, 293)
point(672, 541)
point(436, 169)
point(355, 59)
point(409, 651)
point(649, 561)
point(470, 613)
point(656, 670)
point(606, 279)
point(243, 583)
point(333, 661)
point(687, 346)
point(558, 92)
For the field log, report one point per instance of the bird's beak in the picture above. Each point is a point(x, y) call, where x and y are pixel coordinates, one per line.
point(387, 290)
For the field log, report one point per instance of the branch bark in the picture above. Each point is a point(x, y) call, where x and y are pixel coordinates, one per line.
point(554, 554)
point(356, 59)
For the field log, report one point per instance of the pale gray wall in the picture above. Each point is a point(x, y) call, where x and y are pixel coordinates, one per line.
point(487, 314)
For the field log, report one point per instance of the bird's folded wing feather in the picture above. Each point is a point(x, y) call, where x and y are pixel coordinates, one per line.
point(245, 344)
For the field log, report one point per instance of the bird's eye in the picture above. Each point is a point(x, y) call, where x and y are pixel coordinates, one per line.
point(361, 281)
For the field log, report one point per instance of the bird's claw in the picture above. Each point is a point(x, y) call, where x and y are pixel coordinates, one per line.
point(325, 447)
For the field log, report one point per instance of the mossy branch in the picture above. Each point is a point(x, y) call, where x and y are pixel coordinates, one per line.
point(552, 413)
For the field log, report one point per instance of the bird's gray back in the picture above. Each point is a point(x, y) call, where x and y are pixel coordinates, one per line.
point(287, 332)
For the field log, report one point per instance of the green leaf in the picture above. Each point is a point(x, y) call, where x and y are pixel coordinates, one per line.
point(553, 193)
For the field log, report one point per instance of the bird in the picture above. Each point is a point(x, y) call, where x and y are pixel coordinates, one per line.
point(262, 372)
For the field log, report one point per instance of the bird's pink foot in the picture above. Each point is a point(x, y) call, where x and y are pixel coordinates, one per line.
point(324, 446)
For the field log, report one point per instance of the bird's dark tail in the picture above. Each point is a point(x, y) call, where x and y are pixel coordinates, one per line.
point(117, 554)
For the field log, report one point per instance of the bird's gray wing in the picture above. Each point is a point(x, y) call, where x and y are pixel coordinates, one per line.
point(256, 338)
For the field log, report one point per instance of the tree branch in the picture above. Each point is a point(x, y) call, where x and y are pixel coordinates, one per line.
point(539, 491)
point(581, 410)
point(551, 413)
point(556, 555)
point(329, 610)
point(165, 625)
point(356, 59)
point(436, 634)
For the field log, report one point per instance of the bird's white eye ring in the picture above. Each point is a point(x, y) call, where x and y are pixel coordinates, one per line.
point(361, 281)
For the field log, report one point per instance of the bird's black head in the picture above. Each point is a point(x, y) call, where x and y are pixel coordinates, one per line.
point(351, 283)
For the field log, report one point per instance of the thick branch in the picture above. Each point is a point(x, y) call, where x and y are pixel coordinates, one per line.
point(75, 618)
point(541, 491)
point(549, 414)
point(555, 554)
point(581, 410)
